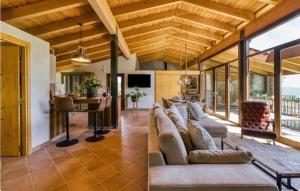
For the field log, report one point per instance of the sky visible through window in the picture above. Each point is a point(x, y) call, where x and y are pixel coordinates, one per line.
point(284, 33)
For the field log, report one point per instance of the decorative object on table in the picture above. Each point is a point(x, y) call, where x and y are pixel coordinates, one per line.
point(91, 85)
point(80, 58)
point(105, 94)
point(256, 120)
point(135, 96)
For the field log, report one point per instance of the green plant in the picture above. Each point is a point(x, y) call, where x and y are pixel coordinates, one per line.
point(90, 83)
point(136, 93)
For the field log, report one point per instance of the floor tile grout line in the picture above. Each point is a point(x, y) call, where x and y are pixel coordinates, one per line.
point(31, 178)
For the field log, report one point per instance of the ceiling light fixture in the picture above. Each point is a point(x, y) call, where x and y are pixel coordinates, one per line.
point(80, 58)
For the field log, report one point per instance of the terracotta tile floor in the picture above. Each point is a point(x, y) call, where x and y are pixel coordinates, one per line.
point(119, 162)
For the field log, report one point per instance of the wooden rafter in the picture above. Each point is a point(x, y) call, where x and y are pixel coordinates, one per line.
point(107, 18)
point(219, 8)
point(39, 8)
point(60, 26)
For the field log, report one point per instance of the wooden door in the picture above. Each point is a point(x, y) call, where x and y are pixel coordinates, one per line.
point(9, 100)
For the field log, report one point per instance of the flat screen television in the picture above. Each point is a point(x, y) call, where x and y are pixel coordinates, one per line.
point(139, 80)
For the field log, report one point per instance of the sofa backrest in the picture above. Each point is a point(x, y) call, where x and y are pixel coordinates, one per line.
point(169, 139)
point(155, 156)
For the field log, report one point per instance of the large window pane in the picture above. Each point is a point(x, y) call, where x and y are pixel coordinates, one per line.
point(220, 91)
point(209, 90)
point(261, 82)
point(290, 93)
point(234, 89)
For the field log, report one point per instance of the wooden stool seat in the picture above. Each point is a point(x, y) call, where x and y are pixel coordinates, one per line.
point(107, 105)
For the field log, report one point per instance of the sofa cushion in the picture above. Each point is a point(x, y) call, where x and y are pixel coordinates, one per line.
point(174, 111)
point(214, 128)
point(196, 111)
point(170, 141)
point(182, 108)
point(183, 131)
point(201, 139)
point(155, 156)
point(219, 157)
point(209, 177)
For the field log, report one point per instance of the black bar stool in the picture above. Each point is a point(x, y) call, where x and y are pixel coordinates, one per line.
point(108, 104)
point(95, 137)
point(66, 105)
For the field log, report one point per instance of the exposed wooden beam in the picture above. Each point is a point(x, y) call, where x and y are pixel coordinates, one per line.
point(127, 24)
point(87, 44)
point(206, 22)
point(39, 8)
point(104, 13)
point(188, 37)
point(60, 26)
point(199, 32)
point(272, 2)
point(89, 51)
point(142, 6)
point(222, 9)
point(75, 37)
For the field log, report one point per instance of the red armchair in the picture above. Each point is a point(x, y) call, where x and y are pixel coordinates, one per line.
point(256, 120)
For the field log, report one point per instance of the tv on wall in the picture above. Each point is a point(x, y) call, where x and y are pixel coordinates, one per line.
point(139, 80)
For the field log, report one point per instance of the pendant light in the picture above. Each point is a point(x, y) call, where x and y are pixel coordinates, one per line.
point(80, 58)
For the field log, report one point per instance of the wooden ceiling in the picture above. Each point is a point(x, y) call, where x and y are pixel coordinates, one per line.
point(154, 29)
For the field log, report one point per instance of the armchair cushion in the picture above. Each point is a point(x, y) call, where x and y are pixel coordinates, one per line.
point(219, 157)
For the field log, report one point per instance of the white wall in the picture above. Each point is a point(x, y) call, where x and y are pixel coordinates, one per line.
point(126, 67)
point(40, 80)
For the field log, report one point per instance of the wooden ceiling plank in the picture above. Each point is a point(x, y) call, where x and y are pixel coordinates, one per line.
point(88, 51)
point(221, 26)
point(141, 6)
point(87, 44)
point(75, 37)
point(60, 26)
point(219, 8)
point(200, 32)
point(104, 13)
point(39, 8)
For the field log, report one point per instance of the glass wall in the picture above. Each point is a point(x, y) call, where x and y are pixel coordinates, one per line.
point(290, 93)
point(220, 90)
point(234, 92)
point(209, 89)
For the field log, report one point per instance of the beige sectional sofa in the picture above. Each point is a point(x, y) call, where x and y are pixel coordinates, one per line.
point(183, 176)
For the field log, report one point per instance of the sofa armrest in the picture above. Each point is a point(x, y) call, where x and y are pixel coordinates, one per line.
point(156, 158)
point(219, 157)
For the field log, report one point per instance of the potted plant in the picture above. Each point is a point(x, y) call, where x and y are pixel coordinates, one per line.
point(91, 85)
point(136, 94)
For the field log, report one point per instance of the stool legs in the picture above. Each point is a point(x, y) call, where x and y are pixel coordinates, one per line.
point(102, 130)
point(95, 137)
point(68, 141)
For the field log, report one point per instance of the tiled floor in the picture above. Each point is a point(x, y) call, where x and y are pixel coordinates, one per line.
point(119, 162)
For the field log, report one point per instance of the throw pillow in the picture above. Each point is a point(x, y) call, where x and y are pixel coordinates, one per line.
point(183, 131)
point(219, 157)
point(182, 108)
point(196, 111)
point(201, 139)
point(173, 110)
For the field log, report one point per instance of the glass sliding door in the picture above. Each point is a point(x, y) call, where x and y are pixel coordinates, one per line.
point(290, 93)
point(220, 79)
point(209, 90)
point(234, 95)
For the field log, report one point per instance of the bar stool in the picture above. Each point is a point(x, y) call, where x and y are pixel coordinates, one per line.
point(107, 105)
point(66, 105)
point(101, 107)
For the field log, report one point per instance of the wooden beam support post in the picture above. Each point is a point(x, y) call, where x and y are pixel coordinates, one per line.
point(104, 13)
point(277, 93)
point(114, 80)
